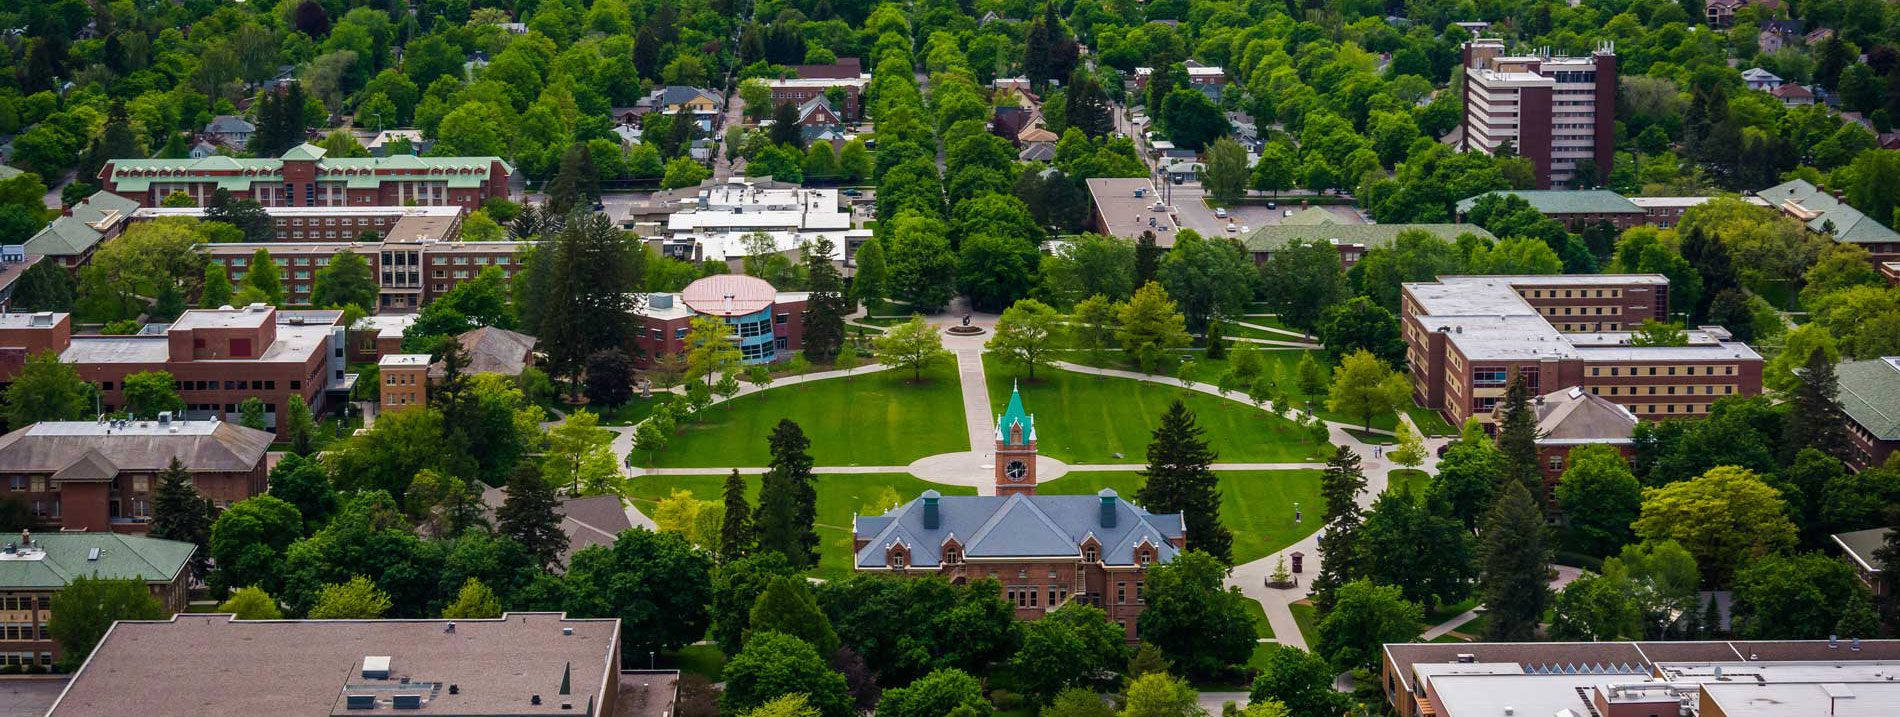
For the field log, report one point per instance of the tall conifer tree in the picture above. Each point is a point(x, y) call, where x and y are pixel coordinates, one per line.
point(788, 503)
point(1816, 420)
point(1517, 437)
point(180, 513)
point(735, 534)
point(1340, 486)
point(1179, 480)
point(1511, 582)
point(827, 305)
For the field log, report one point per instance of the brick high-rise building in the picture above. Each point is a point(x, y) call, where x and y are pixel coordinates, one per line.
point(1467, 337)
point(1560, 112)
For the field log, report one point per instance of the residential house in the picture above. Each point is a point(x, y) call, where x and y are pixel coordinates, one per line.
point(1758, 78)
point(799, 90)
point(1793, 95)
point(230, 131)
point(201, 149)
point(818, 112)
point(705, 106)
point(380, 145)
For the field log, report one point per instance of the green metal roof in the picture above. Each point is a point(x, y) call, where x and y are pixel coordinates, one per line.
point(1861, 545)
point(1013, 416)
point(137, 175)
point(305, 152)
point(1559, 201)
point(64, 557)
point(1821, 211)
point(1271, 238)
point(1870, 395)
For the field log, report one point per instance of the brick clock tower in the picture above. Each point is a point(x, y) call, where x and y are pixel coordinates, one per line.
point(1015, 449)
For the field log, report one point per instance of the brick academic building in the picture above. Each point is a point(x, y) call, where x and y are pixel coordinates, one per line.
point(1046, 550)
point(1466, 337)
point(217, 357)
point(768, 324)
point(103, 475)
point(36, 566)
point(304, 177)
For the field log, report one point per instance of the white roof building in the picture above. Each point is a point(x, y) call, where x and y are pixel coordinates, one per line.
point(717, 222)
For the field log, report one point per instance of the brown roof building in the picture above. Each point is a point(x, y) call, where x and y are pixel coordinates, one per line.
point(493, 350)
point(102, 475)
point(519, 665)
point(1572, 417)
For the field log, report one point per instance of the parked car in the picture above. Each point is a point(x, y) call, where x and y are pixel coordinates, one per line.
point(1273, 205)
point(1232, 227)
point(852, 193)
point(1221, 212)
point(1288, 213)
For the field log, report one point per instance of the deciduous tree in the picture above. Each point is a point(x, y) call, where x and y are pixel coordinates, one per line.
point(1025, 334)
point(914, 345)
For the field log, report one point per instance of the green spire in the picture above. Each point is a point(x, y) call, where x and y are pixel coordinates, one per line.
point(1015, 415)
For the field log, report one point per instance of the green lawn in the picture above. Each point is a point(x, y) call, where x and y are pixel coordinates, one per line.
point(1308, 619)
point(1086, 419)
point(1257, 506)
point(634, 411)
point(876, 419)
point(1411, 478)
point(840, 495)
point(1429, 422)
point(1261, 627)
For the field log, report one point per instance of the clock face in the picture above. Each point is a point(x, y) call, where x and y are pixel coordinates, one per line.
point(1016, 470)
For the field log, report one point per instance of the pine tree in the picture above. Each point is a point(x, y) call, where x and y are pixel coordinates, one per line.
point(787, 606)
point(529, 514)
point(735, 534)
point(1088, 107)
point(1179, 480)
point(1147, 258)
point(788, 502)
point(575, 183)
point(180, 513)
point(1711, 259)
point(1816, 420)
point(1511, 582)
point(1517, 437)
point(1339, 485)
point(827, 305)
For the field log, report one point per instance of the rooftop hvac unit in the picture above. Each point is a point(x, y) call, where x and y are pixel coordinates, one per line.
point(92, 554)
point(359, 702)
point(376, 667)
point(407, 702)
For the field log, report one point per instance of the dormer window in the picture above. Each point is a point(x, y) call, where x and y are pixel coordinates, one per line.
point(1145, 557)
point(1091, 554)
point(952, 556)
point(897, 560)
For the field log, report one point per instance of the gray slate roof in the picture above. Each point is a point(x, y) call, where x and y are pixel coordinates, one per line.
point(73, 234)
point(1870, 395)
point(1564, 201)
point(680, 94)
point(57, 558)
point(493, 350)
point(1017, 526)
point(228, 124)
point(1573, 415)
point(1817, 208)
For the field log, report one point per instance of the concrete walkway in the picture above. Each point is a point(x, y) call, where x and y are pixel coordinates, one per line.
point(1272, 330)
point(978, 415)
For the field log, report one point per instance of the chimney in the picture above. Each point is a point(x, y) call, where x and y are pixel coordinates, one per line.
point(932, 517)
point(1108, 507)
